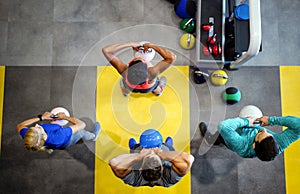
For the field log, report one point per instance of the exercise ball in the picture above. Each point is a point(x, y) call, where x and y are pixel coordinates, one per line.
point(58, 110)
point(185, 8)
point(187, 25)
point(151, 138)
point(187, 41)
point(250, 111)
point(241, 12)
point(147, 56)
point(232, 95)
point(219, 77)
point(198, 76)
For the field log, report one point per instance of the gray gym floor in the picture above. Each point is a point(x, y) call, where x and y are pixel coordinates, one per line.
point(51, 47)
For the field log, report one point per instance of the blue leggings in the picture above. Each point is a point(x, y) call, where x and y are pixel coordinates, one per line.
point(83, 134)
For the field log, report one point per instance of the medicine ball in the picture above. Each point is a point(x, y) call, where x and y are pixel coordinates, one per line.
point(232, 95)
point(188, 25)
point(57, 110)
point(151, 138)
point(147, 56)
point(250, 111)
point(185, 8)
point(198, 76)
point(219, 77)
point(187, 41)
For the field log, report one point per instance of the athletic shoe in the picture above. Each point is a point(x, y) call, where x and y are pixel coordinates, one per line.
point(123, 89)
point(169, 141)
point(203, 128)
point(162, 84)
point(209, 138)
point(131, 143)
point(96, 130)
point(206, 135)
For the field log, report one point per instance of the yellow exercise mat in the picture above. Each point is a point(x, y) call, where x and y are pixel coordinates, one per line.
point(124, 117)
point(2, 75)
point(290, 92)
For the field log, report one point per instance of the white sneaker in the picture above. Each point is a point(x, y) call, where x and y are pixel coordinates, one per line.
point(162, 82)
point(96, 130)
point(123, 89)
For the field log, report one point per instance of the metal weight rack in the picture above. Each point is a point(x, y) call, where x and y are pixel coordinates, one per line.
point(240, 40)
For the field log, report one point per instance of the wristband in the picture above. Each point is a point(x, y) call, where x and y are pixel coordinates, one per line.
point(40, 117)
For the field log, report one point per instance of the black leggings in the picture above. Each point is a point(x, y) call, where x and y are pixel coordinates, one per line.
point(215, 139)
point(219, 140)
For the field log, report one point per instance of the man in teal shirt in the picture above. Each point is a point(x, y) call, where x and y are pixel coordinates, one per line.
point(249, 140)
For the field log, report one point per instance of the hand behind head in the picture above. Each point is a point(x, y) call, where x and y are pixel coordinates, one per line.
point(61, 115)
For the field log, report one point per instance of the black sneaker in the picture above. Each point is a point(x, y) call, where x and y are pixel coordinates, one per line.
point(207, 136)
point(203, 128)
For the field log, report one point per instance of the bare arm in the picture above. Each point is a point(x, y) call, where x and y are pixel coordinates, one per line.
point(110, 54)
point(26, 123)
point(181, 161)
point(264, 120)
point(168, 59)
point(78, 125)
point(122, 164)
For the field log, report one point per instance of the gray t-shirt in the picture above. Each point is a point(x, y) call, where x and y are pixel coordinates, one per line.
point(169, 176)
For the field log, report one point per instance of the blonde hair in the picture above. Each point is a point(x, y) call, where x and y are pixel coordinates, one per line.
point(34, 141)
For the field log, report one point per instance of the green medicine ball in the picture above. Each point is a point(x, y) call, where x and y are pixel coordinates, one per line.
point(190, 27)
point(232, 95)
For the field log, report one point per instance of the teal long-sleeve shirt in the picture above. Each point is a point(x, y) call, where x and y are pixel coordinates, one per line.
point(239, 136)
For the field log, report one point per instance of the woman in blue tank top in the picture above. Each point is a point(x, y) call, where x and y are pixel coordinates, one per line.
point(49, 136)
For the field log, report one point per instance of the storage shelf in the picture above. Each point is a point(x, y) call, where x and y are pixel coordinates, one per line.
point(217, 10)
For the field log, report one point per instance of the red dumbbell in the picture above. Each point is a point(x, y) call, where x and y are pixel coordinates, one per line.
point(217, 49)
point(206, 27)
point(207, 50)
point(212, 39)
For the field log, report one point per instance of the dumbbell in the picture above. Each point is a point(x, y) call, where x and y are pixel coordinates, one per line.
point(212, 39)
point(217, 49)
point(206, 27)
point(207, 50)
